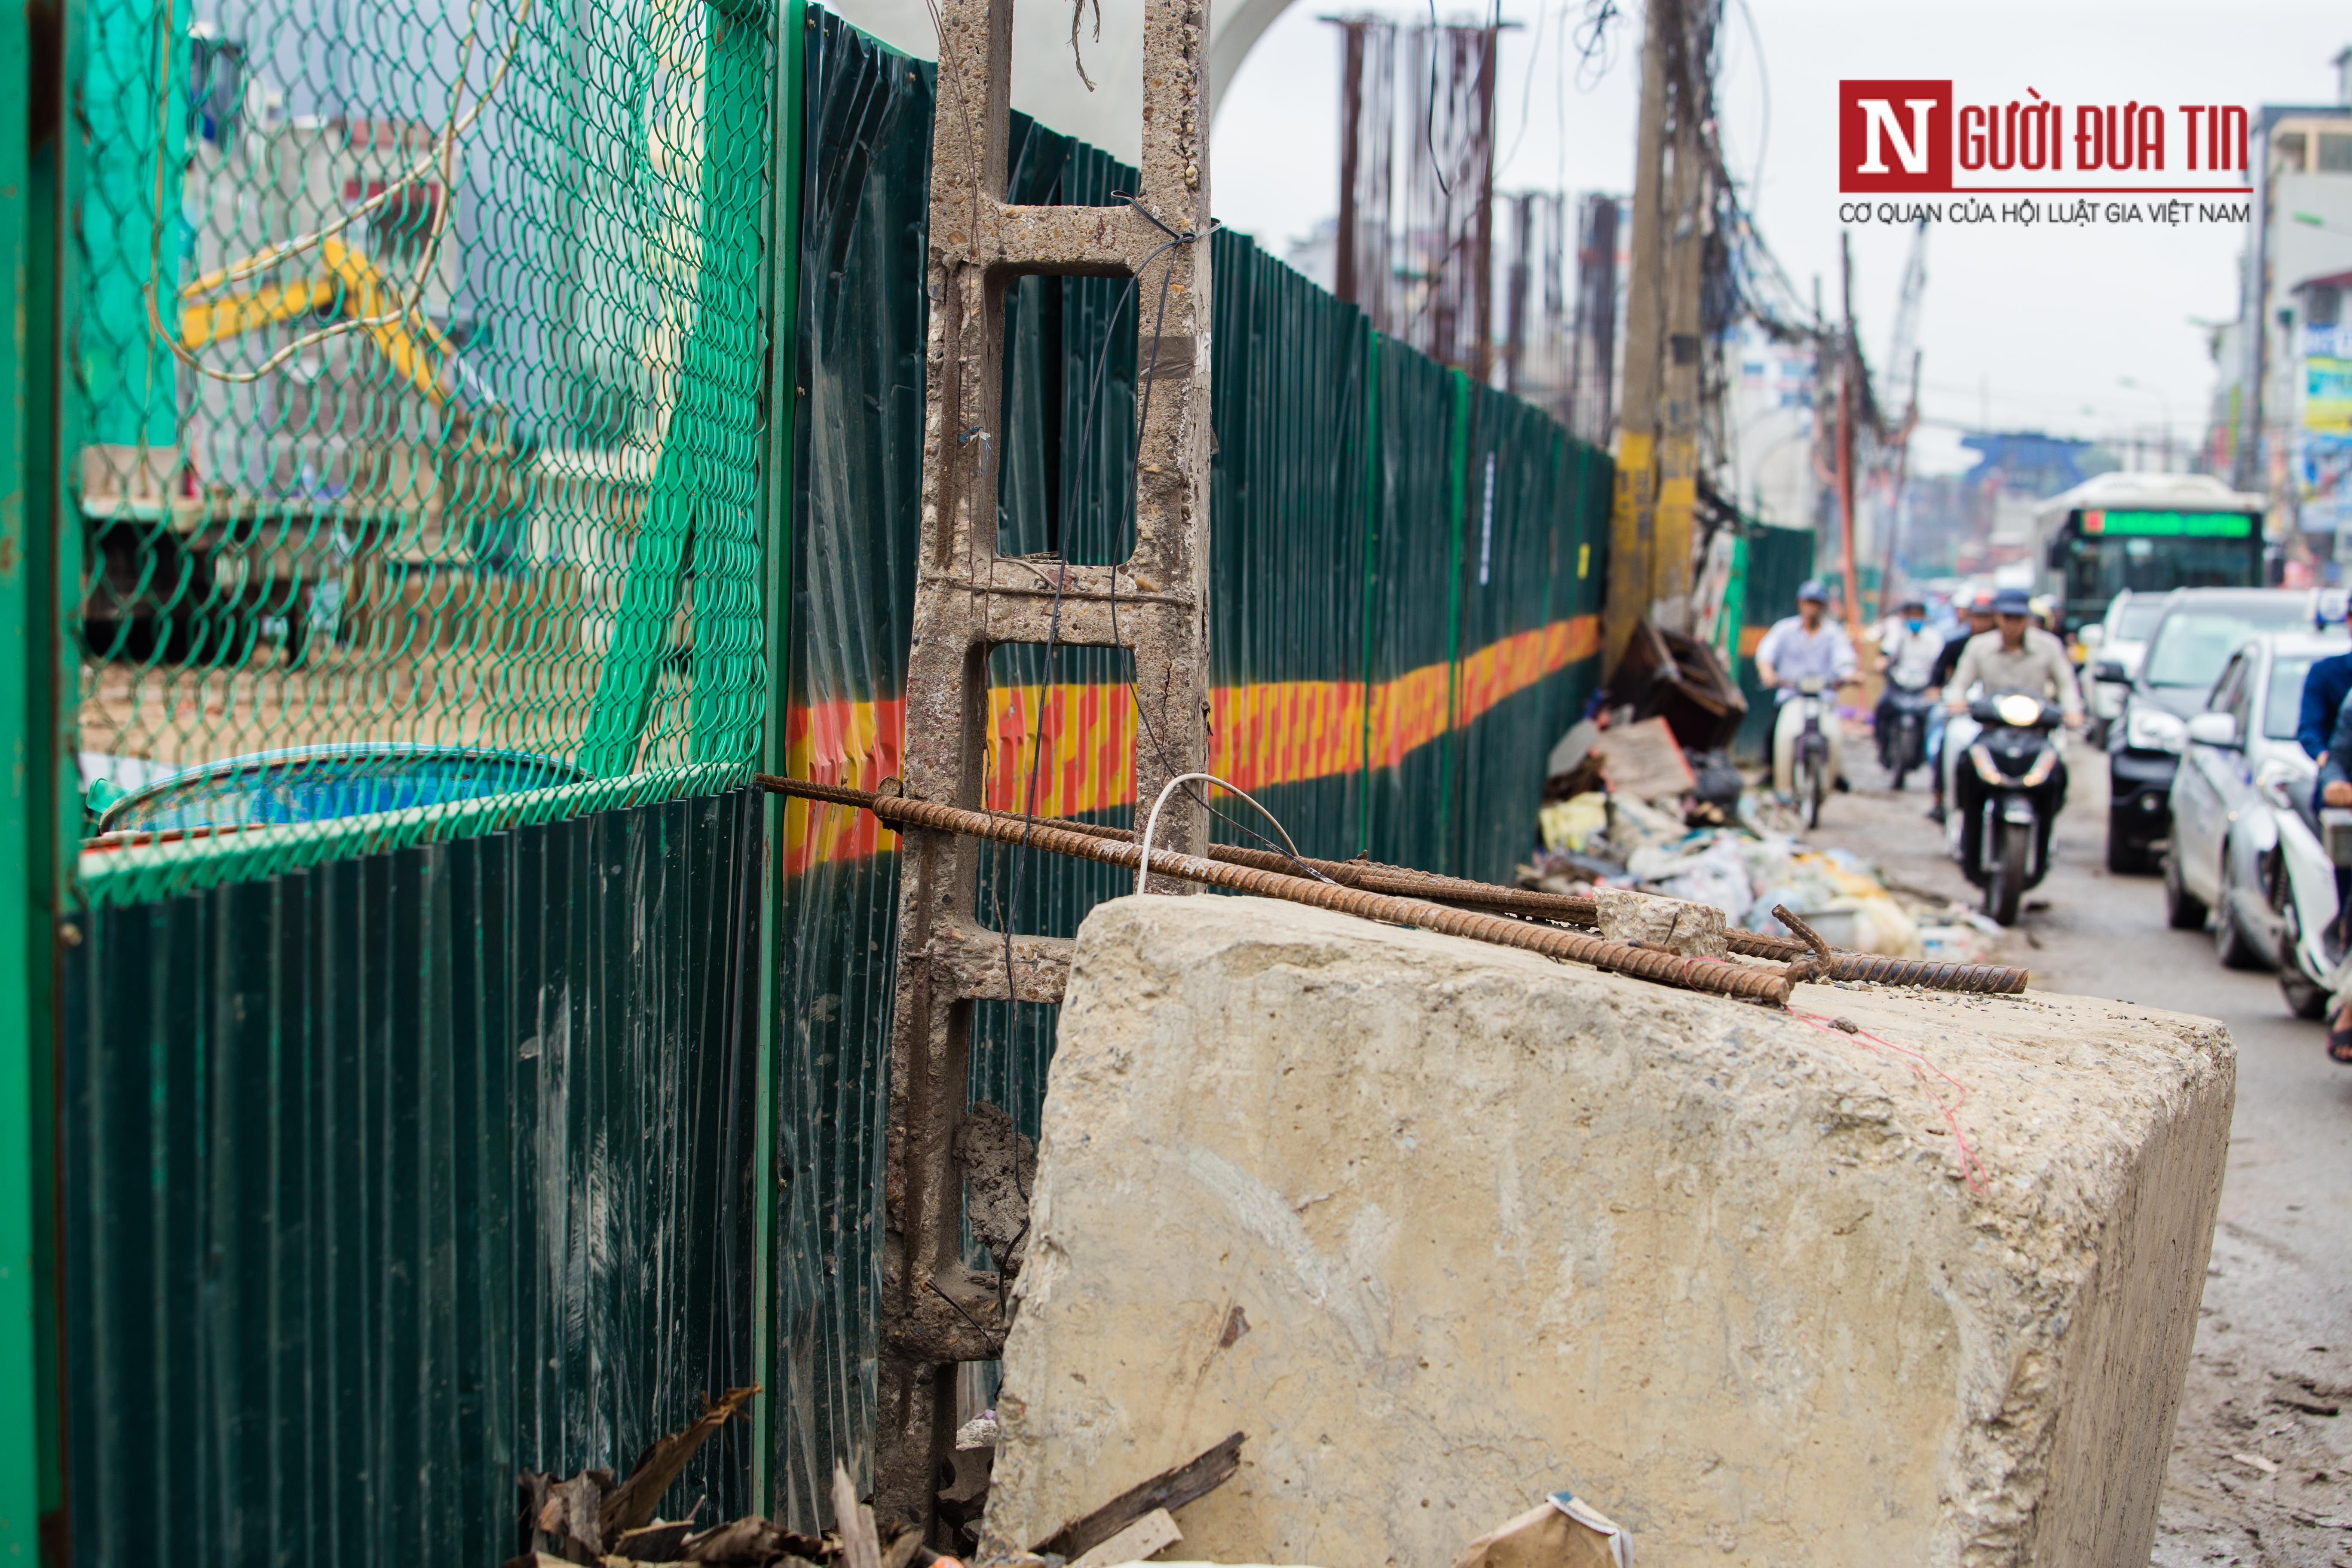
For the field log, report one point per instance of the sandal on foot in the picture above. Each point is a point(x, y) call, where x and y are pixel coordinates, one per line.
point(2339, 1040)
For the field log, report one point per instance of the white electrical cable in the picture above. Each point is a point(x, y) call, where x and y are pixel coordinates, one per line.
point(1151, 824)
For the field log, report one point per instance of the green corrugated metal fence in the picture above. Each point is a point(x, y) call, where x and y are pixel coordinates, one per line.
point(402, 1151)
point(1405, 567)
point(1778, 561)
point(390, 1177)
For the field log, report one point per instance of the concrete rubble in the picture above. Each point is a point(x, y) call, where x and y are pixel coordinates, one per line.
point(1445, 1227)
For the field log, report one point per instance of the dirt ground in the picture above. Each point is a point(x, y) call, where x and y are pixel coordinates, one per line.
point(2262, 1461)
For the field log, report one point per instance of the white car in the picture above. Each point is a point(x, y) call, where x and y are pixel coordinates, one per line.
point(2115, 657)
point(2241, 764)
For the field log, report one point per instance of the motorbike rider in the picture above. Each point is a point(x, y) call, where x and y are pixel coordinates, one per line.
point(1805, 645)
point(2016, 656)
point(2325, 687)
point(1908, 652)
point(1939, 680)
point(2334, 788)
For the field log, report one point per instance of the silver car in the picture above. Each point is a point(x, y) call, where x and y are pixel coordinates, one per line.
point(2241, 764)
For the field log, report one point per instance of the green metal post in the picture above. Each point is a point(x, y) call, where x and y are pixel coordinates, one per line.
point(1371, 568)
point(20, 1404)
point(37, 554)
point(777, 484)
point(1457, 502)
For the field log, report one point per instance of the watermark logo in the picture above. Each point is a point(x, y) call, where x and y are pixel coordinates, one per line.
point(1918, 137)
point(1894, 136)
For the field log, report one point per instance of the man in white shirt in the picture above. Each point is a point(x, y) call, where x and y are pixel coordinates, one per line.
point(1908, 648)
point(1805, 645)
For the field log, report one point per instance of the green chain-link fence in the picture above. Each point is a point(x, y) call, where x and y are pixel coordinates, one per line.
point(417, 355)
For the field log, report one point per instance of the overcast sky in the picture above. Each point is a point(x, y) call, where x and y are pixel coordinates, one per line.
point(2034, 329)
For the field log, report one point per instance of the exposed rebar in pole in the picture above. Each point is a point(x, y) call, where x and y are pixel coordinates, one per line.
point(1516, 288)
point(1592, 365)
point(1482, 363)
point(969, 599)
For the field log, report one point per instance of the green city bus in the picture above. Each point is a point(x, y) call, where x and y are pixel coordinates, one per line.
point(2151, 533)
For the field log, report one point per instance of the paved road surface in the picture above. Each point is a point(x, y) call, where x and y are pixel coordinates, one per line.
point(2258, 1475)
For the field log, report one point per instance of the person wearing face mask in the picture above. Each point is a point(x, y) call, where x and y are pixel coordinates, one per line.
point(1907, 655)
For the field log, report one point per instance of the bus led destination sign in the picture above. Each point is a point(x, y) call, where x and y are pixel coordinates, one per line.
point(2169, 524)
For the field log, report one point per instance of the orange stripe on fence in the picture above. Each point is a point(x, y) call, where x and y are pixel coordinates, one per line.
point(1080, 739)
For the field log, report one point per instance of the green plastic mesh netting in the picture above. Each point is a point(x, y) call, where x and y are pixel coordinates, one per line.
point(420, 357)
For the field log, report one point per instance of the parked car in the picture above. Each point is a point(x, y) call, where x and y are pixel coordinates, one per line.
point(2241, 768)
point(2199, 629)
point(2115, 656)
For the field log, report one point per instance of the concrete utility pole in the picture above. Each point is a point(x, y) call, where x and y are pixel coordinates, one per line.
point(969, 599)
point(1848, 362)
point(1632, 516)
point(1670, 566)
point(1657, 449)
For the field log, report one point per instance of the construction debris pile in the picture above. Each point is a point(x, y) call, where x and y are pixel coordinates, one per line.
point(591, 1519)
point(1628, 805)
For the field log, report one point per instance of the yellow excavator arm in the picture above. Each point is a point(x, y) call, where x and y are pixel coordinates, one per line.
point(348, 286)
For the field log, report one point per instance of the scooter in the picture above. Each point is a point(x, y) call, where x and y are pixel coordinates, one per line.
point(2307, 879)
point(2007, 789)
point(1809, 768)
point(1903, 733)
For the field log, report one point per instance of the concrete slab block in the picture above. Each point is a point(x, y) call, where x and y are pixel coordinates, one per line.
point(1445, 1227)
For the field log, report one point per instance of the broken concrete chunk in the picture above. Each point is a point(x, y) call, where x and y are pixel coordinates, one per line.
point(1694, 931)
point(1000, 1171)
point(1499, 1225)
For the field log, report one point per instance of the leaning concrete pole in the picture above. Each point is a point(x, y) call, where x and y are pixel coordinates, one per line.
point(970, 599)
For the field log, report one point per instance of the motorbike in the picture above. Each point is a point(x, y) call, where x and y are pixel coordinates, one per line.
point(1809, 772)
point(2007, 788)
point(2308, 873)
point(1903, 731)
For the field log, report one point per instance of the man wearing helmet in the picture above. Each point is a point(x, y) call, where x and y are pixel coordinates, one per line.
point(2016, 655)
point(1980, 621)
point(1805, 645)
point(2019, 657)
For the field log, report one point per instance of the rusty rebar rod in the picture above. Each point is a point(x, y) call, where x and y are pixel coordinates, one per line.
point(1570, 908)
point(1720, 977)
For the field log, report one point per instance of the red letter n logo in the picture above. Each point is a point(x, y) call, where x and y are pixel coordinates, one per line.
point(1894, 136)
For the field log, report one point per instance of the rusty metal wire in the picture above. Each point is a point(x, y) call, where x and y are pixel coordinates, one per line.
point(1569, 909)
point(1718, 976)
